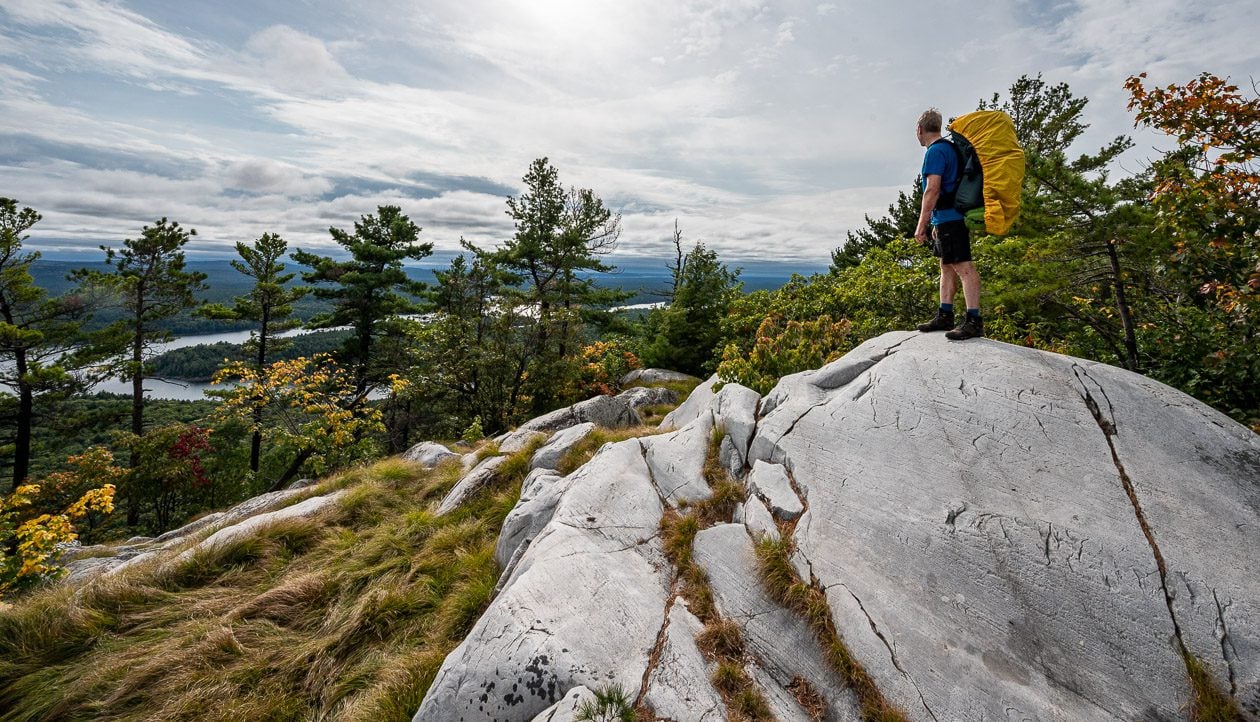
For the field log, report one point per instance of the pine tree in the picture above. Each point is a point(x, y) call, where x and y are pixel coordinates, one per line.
point(37, 334)
point(269, 303)
point(558, 236)
point(152, 285)
point(371, 288)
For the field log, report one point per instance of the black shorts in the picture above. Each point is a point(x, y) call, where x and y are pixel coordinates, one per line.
point(951, 242)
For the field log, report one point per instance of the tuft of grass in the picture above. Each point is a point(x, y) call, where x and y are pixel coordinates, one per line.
point(486, 450)
point(780, 581)
point(751, 705)
point(585, 449)
point(654, 414)
point(810, 699)
point(611, 704)
point(1209, 704)
point(721, 638)
point(720, 641)
point(728, 677)
point(678, 533)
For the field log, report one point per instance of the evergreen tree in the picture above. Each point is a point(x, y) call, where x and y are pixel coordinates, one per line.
point(269, 303)
point(685, 335)
point(152, 285)
point(371, 288)
point(901, 222)
point(1095, 232)
point(38, 336)
point(470, 351)
point(558, 236)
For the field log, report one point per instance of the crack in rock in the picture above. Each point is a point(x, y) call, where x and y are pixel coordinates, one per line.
point(1228, 652)
point(892, 653)
point(658, 647)
point(1108, 428)
point(651, 476)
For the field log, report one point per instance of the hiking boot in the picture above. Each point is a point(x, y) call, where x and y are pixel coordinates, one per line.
point(944, 321)
point(971, 327)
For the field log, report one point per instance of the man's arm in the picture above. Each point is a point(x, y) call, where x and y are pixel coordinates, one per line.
point(930, 194)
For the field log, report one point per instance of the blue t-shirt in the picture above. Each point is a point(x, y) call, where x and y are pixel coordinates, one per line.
point(940, 159)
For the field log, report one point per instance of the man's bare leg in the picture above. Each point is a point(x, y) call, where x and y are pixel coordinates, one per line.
point(949, 283)
point(966, 272)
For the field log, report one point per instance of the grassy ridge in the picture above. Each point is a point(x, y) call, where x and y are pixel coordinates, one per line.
point(345, 617)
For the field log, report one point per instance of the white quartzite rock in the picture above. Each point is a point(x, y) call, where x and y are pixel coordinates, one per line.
point(781, 643)
point(654, 376)
point(770, 482)
point(677, 459)
point(540, 493)
point(757, 519)
point(641, 396)
point(584, 605)
point(131, 554)
point(735, 407)
point(609, 412)
point(515, 441)
point(984, 521)
point(979, 549)
point(679, 687)
point(549, 456)
point(470, 484)
point(428, 454)
point(302, 510)
point(698, 403)
point(567, 709)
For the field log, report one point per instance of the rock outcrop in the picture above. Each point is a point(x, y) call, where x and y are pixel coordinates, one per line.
point(998, 533)
point(84, 563)
point(655, 376)
point(429, 454)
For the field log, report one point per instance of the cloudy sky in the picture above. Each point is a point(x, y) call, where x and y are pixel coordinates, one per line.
point(767, 129)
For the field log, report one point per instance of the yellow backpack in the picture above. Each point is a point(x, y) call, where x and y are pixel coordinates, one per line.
point(991, 134)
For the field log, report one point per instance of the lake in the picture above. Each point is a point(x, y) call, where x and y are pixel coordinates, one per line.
point(183, 390)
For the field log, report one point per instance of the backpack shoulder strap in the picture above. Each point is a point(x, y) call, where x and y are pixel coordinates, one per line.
point(945, 200)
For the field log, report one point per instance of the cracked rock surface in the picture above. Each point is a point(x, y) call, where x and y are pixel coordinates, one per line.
point(975, 539)
point(584, 604)
point(999, 533)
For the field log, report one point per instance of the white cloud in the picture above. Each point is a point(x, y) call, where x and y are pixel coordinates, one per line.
point(764, 127)
point(295, 61)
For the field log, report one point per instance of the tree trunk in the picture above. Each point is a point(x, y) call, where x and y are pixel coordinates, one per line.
point(137, 418)
point(293, 469)
point(1122, 307)
point(26, 414)
point(255, 441)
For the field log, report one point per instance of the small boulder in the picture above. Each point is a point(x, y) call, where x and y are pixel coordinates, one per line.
point(770, 482)
point(549, 456)
point(758, 521)
point(641, 396)
point(519, 439)
point(609, 412)
point(655, 376)
point(472, 482)
point(428, 454)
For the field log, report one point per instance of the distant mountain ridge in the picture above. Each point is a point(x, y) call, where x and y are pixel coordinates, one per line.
point(647, 277)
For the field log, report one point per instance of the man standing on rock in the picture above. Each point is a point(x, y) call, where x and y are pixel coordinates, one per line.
point(949, 234)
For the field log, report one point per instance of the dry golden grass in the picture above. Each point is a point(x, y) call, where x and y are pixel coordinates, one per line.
point(584, 450)
point(344, 617)
point(779, 579)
